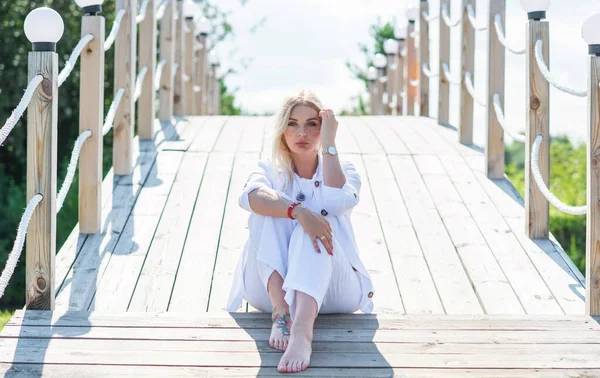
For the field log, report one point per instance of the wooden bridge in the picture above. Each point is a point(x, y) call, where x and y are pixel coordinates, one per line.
point(462, 288)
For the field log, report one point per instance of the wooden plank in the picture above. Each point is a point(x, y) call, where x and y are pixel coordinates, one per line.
point(91, 98)
point(444, 57)
point(366, 140)
point(465, 129)
point(344, 141)
point(449, 275)
point(415, 144)
point(424, 81)
point(42, 123)
point(230, 137)
point(167, 52)
point(178, 92)
point(252, 134)
point(417, 289)
point(388, 139)
point(147, 100)
point(155, 284)
point(192, 284)
point(205, 141)
point(117, 274)
point(184, 139)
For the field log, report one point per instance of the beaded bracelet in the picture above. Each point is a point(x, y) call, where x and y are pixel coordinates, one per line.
point(291, 207)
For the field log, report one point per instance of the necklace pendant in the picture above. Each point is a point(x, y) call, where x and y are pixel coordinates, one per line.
point(301, 197)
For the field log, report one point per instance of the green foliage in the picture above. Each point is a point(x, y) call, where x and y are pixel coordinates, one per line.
point(567, 182)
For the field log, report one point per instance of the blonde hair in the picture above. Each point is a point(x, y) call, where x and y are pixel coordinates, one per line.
point(281, 156)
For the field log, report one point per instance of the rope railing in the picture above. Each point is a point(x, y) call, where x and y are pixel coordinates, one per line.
point(160, 10)
point(471, 88)
point(446, 17)
point(473, 19)
point(502, 36)
point(428, 72)
point(142, 14)
point(448, 76)
point(115, 30)
point(64, 74)
point(62, 194)
point(20, 109)
point(537, 176)
point(160, 67)
point(548, 75)
point(413, 83)
point(175, 68)
point(15, 253)
point(429, 18)
point(501, 120)
point(139, 82)
point(112, 111)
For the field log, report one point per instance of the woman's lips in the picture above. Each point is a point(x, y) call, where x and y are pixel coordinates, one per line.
point(302, 144)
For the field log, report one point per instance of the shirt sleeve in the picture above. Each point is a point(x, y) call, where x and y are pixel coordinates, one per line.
point(260, 177)
point(338, 201)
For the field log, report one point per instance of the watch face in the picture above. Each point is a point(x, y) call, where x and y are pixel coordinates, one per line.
point(332, 150)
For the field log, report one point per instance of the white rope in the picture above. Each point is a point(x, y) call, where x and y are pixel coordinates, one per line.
point(471, 88)
point(502, 37)
point(446, 17)
point(187, 78)
point(160, 10)
point(66, 71)
point(62, 194)
point(142, 15)
point(413, 83)
point(159, 71)
point(175, 68)
point(448, 76)
point(429, 18)
point(501, 121)
point(20, 109)
point(427, 72)
point(546, 72)
point(140, 82)
point(115, 29)
point(473, 18)
point(537, 176)
point(13, 258)
point(112, 111)
point(197, 88)
point(403, 52)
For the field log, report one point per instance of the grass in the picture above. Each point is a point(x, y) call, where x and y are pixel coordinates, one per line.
point(5, 316)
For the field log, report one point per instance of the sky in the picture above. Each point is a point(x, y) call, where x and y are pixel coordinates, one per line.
point(305, 44)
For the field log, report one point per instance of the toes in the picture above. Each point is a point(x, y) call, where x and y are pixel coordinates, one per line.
point(290, 367)
point(278, 344)
point(304, 365)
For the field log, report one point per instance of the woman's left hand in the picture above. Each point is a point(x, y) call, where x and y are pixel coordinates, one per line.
point(329, 126)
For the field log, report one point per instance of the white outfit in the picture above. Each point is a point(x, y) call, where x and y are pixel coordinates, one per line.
point(339, 283)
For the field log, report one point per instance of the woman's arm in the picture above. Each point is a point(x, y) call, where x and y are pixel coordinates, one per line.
point(333, 175)
point(269, 202)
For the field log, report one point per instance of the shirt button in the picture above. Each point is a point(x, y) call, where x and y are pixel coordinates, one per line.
point(324, 212)
point(317, 184)
point(355, 195)
point(370, 295)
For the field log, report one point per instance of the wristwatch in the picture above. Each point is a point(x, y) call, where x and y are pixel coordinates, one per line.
point(330, 150)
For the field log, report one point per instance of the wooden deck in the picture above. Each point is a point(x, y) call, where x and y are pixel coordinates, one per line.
point(459, 287)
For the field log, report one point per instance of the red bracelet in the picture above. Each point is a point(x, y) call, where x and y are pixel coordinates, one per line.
point(289, 212)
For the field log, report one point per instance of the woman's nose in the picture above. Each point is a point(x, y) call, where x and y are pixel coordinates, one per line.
point(301, 130)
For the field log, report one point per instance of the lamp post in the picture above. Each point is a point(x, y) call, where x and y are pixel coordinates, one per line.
point(203, 27)
point(390, 47)
point(590, 31)
point(400, 86)
point(371, 77)
point(412, 62)
point(380, 62)
point(536, 9)
point(44, 28)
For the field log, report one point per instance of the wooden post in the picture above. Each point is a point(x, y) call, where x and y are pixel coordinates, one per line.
point(210, 88)
point(400, 81)
point(178, 99)
point(372, 95)
point(444, 57)
point(465, 130)
point(42, 123)
point(411, 71)
point(147, 100)
point(91, 98)
point(189, 65)
point(390, 84)
point(167, 52)
point(216, 91)
point(592, 259)
point(494, 147)
point(538, 93)
point(125, 75)
point(379, 91)
point(200, 75)
point(424, 59)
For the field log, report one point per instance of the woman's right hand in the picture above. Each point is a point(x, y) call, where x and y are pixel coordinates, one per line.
point(315, 225)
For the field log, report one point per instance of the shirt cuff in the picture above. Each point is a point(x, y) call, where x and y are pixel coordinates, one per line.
point(338, 201)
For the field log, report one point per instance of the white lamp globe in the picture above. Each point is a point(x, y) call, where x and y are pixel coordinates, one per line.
point(189, 9)
point(412, 14)
point(203, 26)
point(372, 73)
point(43, 28)
point(380, 61)
point(90, 7)
point(213, 58)
point(590, 31)
point(536, 9)
point(390, 46)
point(400, 32)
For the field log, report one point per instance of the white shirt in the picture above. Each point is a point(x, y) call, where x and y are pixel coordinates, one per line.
point(329, 201)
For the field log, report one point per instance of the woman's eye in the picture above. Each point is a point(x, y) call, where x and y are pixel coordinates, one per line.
point(292, 124)
point(312, 124)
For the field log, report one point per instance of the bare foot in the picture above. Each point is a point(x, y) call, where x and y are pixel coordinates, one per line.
point(297, 356)
point(280, 332)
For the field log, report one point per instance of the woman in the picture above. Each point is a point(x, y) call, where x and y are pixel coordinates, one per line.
point(301, 257)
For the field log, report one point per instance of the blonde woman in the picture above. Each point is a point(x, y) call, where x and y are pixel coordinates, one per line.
point(301, 257)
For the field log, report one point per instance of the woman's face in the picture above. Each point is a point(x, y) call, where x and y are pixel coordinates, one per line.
point(303, 131)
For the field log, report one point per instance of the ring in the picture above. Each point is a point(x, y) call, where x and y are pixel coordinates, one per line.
point(322, 237)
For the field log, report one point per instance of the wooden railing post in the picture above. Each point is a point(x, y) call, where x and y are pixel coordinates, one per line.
point(91, 98)
point(167, 52)
point(147, 101)
point(379, 86)
point(201, 74)
point(592, 259)
point(390, 48)
point(125, 75)
point(216, 90)
point(42, 123)
point(465, 130)
point(179, 94)
point(444, 57)
point(494, 146)
point(189, 65)
point(538, 94)
point(424, 59)
point(400, 81)
point(411, 72)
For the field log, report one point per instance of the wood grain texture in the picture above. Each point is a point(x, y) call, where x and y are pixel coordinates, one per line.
point(147, 101)
point(180, 53)
point(444, 57)
point(592, 255)
point(494, 145)
point(200, 75)
point(423, 59)
point(42, 132)
point(125, 75)
point(400, 82)
point(411, 70)
point(190, 102)
point(465, 130)
point(91, 98)
point(537, 208)
point(167, 52)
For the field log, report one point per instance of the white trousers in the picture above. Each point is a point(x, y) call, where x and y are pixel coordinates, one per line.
point(330, 280)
